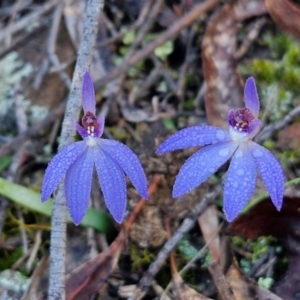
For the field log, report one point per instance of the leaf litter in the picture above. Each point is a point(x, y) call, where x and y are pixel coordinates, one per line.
point(193, 76)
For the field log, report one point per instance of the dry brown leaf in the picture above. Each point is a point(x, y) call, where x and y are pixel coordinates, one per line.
point(289, 137)
point(286, 15)
point(243, 288)
point(90, 278)
point(209, 225)
point(183, 291)
point(264, 219)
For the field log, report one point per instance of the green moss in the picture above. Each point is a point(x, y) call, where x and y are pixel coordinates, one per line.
point(189, 104)
point(169, 124)
point(164, 50)
point(245, 265)
point(255, 248)
point(278, 80)
point(5, 162)
point(129, 37)
point(238, 241)
point(290, 156)
point(8, 258)
point(206, 260)
point(278, 76)
point(261, 246)
point(278, 44)
point(119, 133)
point(140, 257)
point(264, 70)
point(187, 249)
point(265, 282)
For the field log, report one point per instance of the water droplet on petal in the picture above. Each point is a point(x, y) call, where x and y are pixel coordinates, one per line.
point(257, 153)
point(239, 153)
point(240, 172)
point(223, 152)
point(220, 135)
point(202, 163)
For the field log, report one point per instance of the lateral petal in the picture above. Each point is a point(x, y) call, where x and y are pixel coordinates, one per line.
point(201, 165)
point(101, 123)
point(88, 93)
point(200, 135)
point(58, 166)
point(251, 97)
point(270, 171)
point(128, 162)
point(254, 128)
point(81, 131)
point(113, 185)
point(239, 183)
point(78, 184)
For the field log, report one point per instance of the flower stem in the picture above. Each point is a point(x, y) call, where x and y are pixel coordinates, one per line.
point(58, 230)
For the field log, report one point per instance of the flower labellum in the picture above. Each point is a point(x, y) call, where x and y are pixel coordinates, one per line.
point(76, 161)
point(221, 145)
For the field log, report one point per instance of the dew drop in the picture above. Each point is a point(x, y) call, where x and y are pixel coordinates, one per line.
point(239, 154)
point(69, 154)
point(240, 172)
point(223, 152)
point(220, 135)
point(257, 153)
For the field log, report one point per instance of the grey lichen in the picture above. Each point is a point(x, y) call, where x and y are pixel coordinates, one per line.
point(12, 72)
point(14, 281)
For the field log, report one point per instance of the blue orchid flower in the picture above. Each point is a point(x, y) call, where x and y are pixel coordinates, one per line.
point(76, 161)
point(221, 145)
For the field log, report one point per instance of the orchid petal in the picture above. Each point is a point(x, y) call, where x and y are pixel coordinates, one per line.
point(251, 96)
point(58, 167)
point(82, 131)
point(194, 136)
point(240, 182)
point(128, 162)
point(113, 184)
point(88, 93)
point(101, 124)
point(254, 128)
point(78, 184)
point(270, 171)
point(201, 165)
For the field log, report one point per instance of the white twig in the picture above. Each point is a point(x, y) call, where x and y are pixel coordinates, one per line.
point(268, 130)
point(58, 232)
